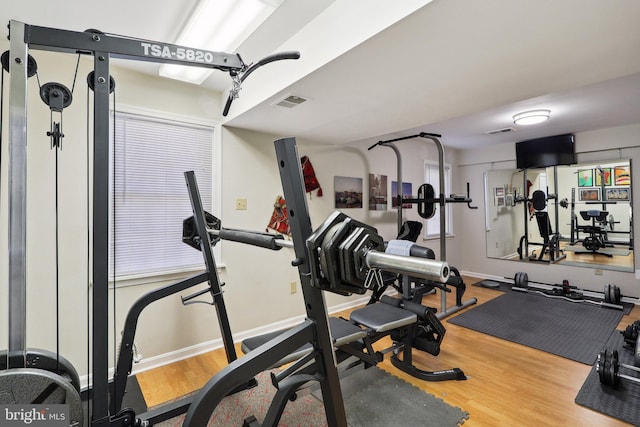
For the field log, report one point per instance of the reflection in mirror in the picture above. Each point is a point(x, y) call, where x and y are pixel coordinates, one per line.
point(576, 215)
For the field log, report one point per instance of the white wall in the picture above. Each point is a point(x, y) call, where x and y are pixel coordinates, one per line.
point(469, 252)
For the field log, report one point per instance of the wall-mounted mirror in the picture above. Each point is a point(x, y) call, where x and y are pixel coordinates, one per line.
point(576, 215)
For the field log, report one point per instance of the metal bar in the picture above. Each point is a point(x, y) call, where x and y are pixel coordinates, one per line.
point(17, 237)
point(240, 371)
point(407, 265)
point(277, 240)
point(100, 239)
point(45, 38)
point(125, 357)
point(207, 253)
point(300, 224)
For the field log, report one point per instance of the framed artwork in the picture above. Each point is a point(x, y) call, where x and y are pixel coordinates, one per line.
point(618, 194)
point(378, 192)
point(500, 201)
point(585, 177)
point(589, 194)
point(603, 172)
point(348, 192)
point(407, 193)
point(622, 175)
point(499, 191)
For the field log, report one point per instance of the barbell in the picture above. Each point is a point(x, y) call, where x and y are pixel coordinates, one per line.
point(611, 293)
point(345, 255)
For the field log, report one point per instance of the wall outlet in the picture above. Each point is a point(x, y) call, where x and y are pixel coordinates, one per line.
point(294, 287)
point(241, 204)
point(597, 271)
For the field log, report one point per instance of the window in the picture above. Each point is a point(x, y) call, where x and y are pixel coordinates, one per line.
point(432, 176)
point(149, 194)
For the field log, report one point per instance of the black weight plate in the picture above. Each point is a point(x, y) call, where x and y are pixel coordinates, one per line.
point(516, 279)
point(47, 360)
point(607, 296)
point(38, 386)
point(615, 366)
point(617, 295)
point(525, 280)
point(600, 365)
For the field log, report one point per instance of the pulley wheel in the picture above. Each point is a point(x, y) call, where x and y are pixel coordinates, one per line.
point(27, 386)
point(56, 94)
point(47, 360)
point(91, 82)
point(32, 65)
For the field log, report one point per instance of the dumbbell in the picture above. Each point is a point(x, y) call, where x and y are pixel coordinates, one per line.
point(608, 367)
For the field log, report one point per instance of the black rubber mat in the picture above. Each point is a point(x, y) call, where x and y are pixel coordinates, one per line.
point(621, 403)
point(375, 398)
point(577, 331)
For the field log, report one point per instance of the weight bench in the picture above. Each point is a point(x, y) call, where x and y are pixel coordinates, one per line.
point(367, 325)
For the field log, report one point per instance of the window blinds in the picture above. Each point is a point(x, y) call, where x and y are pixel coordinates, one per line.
point(149, 194)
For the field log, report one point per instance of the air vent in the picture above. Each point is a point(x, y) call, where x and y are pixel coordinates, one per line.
point(505, 130)
point(291, 101)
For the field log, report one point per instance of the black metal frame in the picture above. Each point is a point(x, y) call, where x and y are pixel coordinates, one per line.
point(102, 47)
point(314, 330)
point(441, 199)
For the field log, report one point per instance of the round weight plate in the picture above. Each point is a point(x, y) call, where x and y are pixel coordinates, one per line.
point(40, 387)
point(615, 366)
point(47, 360)
point(600, 365)
point(525, 280)
point(612, 294)
point(516, 279)
point(617, 295)
point(607, 296)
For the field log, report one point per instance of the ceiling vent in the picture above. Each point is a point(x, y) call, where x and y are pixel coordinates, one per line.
point(291, 101)
point(497, 131)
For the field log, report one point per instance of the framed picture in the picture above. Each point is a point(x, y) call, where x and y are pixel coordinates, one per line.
point(377, 192)
point(589, 194)
point(622, 175)
point(603, 172)
point(499, 191)
point(618, 194)
point(585, 177)
point(407, 193)
point(500, 201)
point(348, 192)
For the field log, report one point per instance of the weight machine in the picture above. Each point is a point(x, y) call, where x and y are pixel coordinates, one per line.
point(426, 201)
point(339, 257)
point(101, 47)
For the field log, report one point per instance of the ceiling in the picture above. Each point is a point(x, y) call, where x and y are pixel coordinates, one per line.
point(452, 67)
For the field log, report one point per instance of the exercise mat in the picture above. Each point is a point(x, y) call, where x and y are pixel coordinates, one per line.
point(621, 403)
point(576, 331)
point(376, 398)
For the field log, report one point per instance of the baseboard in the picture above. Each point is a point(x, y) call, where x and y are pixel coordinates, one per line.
point(184, 353)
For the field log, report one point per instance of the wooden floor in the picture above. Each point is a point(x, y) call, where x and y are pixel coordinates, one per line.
point(593, 260)
point(508, 384)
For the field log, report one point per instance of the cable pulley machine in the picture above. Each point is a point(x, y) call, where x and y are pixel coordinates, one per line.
point(21, 65)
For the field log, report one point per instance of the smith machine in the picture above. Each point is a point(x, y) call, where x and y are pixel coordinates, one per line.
point(426, 202)
point(37, 377)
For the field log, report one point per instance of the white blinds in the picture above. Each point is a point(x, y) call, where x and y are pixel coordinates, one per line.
point(149, 194)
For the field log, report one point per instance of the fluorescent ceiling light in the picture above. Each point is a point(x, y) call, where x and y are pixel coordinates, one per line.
point(532, 117)
point(221, 26)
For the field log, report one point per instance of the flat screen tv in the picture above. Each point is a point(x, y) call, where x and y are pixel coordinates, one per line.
point(544, 152)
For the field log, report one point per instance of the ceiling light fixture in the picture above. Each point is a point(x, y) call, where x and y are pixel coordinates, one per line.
point(220, 26)
point(532, 117)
